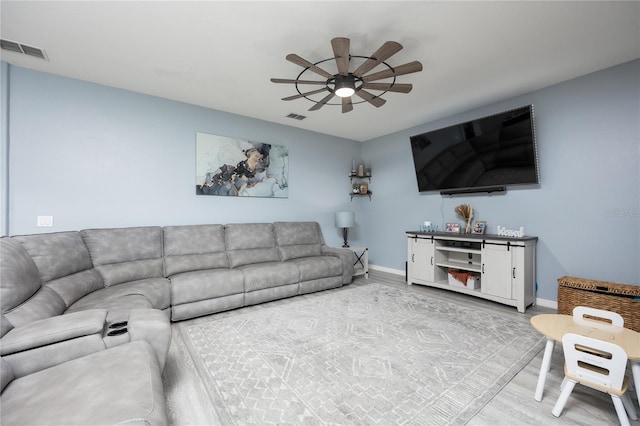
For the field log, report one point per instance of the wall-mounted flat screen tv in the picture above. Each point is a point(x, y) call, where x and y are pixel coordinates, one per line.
point(482, 155)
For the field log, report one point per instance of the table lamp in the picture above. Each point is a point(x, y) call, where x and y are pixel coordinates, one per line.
point(345, 220)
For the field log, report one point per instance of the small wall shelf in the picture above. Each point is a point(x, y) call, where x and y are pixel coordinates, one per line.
point(361, 193)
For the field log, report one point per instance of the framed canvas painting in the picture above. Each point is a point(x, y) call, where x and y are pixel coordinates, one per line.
point(240, 168)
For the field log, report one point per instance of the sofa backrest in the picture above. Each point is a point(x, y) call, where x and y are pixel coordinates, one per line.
point(298, 239)
point(22, 297)
point(64, 264)
point(194, 247)
point(250, 243)
point(125, 254)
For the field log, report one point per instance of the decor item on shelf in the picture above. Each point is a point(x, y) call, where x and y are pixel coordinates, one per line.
point(466, 279)
point(479, 227)
point(504, 232)
point(367, 172)
point(353, 167)
point(465, 211)
point(428, 227)
point(355, 188)
point(452, 227)
point(361, 170)
point(345, 84)
point(345, 220)
point(363, 188)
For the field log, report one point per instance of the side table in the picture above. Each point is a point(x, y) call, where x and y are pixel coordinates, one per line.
point(361, 263)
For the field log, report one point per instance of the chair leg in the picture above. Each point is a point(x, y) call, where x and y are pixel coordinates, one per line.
point(564, 396)
point(628, 405)
point(622, 414)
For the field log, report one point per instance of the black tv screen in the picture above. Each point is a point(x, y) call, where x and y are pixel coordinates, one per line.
point(485, 154)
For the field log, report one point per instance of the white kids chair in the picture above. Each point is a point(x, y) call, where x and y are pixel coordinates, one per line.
point(584, 312)
point(598, 365)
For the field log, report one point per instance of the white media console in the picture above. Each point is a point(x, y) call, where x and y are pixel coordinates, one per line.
point(505, 265)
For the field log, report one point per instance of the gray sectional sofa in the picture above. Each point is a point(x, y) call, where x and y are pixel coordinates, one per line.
point(79, 306)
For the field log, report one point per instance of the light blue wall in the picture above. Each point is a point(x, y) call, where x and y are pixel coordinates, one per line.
point(94, 156)
point(586, 211)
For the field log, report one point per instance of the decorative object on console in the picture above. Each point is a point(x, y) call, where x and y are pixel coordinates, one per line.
point(465, 211)
point(345, 84)
point(235, 167)
point(504, 232)
point(345, 220)
point(428, 227)
point(479, 227)
point(452, 227)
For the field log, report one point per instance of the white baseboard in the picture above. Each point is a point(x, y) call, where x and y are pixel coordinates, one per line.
point(540, 302)
point(547, 303)
point(388, 270)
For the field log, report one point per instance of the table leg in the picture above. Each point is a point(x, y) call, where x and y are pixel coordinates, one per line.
point(544, 368)
point(635, 371)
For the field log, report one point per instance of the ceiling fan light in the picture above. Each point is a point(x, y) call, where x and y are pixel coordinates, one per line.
point(345, 86)
point(345, 92)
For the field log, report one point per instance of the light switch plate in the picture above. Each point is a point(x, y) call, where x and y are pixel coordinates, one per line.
point(45, 221)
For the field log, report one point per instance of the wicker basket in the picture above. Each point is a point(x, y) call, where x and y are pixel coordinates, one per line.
point(621, 298)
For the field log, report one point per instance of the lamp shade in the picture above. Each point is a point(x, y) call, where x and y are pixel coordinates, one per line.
point(345, 219)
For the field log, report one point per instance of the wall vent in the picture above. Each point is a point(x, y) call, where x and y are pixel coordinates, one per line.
point(24, 49)
point(296, 116)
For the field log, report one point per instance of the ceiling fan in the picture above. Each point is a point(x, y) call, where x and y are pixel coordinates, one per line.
point(344, 84)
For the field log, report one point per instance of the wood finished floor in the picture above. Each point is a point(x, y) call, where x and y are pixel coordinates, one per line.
point(514, 405)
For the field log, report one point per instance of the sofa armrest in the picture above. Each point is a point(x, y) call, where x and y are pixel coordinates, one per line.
point(347, 258)
point(53, 330)
point(52, 341)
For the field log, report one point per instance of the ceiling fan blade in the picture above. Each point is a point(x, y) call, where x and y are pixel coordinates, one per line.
point(389, 87)
point(292, 57)
point(414, 66)
point(347, 105)
point(302, 95)
point(382, 54)
point(341, 51)
point(373, 100)
point(322, 102)
point(284, 80)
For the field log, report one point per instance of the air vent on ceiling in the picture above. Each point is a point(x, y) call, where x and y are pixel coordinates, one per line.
point(296, 116)
point(13, 46)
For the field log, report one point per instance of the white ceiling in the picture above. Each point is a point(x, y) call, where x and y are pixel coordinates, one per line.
point(222, 55)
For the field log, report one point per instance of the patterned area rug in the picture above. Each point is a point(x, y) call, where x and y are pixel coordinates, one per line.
point(364, 355)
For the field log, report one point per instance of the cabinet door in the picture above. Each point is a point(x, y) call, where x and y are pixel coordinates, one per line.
point(496, 271)
point(421, 253)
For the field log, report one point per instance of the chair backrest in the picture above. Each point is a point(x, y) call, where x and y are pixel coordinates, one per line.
point(598, 314)
point(594, 362)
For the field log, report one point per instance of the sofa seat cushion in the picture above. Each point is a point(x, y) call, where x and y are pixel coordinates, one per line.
point(267, 275)
point(152, 292)
point(312, 268)
point(118, 385)
point(201, 285)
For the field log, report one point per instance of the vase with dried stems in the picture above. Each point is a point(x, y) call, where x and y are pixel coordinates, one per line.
point(465, 211)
